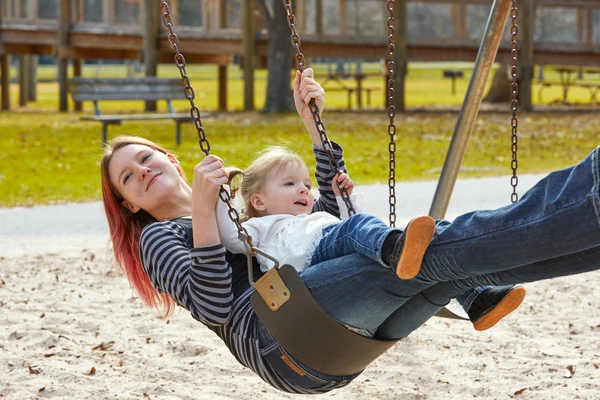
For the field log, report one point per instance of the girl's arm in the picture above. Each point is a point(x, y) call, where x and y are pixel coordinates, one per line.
point(229, 232)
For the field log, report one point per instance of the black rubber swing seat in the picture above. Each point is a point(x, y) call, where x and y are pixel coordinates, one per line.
point(308, 333)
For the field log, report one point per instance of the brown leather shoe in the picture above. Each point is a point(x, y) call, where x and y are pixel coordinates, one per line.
point(417, 236)
point(493, 304)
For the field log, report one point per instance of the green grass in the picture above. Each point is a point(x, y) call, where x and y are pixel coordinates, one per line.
point(50, 157)
point(424, 86)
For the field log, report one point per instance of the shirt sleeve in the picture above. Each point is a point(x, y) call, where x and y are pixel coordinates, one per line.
point(357, 204)
point(324, 175)
point(227, 230)
point(199, 279)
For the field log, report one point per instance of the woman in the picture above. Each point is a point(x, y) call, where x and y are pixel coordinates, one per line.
point(523, 242)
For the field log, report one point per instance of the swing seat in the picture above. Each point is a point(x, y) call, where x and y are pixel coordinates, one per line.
point(308, 333)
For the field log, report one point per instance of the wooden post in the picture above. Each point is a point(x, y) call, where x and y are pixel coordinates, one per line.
point(150, 16)
point(300, 9)
point(77, 66)
point(63, 49)
point(4, 67)
point(319, 17)
point(459, 20)
point(589, 28)
point(33, 63)
point(343, 17)
point(5, 76)
point(401, 55)
point(526, 54)
point(249, 50)
point(222, 14)
point(24, 71)
point(222, 87)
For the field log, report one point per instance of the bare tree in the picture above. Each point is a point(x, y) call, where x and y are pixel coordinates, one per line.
point(279, 94)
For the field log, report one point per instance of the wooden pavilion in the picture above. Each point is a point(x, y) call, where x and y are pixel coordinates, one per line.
point(213, 31)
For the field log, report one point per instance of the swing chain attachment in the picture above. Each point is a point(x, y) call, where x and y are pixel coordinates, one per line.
point(188, 90)
point(204, 143)
point(391, 66)
point(327, 146)
point(514, 89)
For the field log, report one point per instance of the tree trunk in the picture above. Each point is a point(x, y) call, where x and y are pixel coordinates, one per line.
point(500, 90)
point(279, 94)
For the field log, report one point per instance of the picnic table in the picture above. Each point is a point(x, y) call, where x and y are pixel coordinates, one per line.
point(570, 77)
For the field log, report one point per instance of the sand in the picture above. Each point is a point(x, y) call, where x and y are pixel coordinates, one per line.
point(72, 328)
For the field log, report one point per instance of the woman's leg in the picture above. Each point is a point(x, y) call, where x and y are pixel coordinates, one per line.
point(557, 217)
point(426, 304)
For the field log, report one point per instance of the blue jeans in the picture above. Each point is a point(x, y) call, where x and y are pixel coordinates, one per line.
point(365, 234)
point(553, 231)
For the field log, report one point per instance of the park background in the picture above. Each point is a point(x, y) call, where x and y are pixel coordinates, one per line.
point(72, 328)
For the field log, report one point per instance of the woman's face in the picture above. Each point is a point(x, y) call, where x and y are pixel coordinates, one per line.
point(144, 177)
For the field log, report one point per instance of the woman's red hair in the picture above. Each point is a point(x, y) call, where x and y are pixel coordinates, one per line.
point(126, 227)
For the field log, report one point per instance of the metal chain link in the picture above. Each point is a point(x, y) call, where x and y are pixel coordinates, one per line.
point(391, 66)
point(300, 64)
point(195, 114)
point(514, 88)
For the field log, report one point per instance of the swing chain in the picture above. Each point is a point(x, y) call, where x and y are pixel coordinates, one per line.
point(391, 66)
point(195, 113)
point(514, 88)
point(327, 146)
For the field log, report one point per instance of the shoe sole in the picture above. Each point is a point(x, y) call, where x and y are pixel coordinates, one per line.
point(508, 304)
point(418, 235)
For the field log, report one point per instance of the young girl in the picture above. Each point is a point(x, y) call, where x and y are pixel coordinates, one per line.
point(276, 191)
point(278, 204)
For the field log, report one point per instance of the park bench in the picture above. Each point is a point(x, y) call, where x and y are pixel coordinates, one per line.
point(114, 89)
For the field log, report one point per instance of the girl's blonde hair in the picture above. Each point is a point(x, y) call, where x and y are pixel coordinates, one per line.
point(255, 176)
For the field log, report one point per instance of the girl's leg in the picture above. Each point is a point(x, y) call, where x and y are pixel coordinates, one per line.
point(368, 235)
point(361, 233)
point(557, 217)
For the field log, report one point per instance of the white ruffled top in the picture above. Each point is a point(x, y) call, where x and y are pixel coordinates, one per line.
point(291, 239)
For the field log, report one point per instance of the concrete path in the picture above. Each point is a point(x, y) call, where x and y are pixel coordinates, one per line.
point(73, 227)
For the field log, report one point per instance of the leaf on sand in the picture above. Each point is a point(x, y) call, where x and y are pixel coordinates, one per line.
point(34, 370)
point(571, 371)
point(104, 346)
point(520, 392)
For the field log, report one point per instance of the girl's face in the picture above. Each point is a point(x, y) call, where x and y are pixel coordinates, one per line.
point(144, 177)
point(286, 191)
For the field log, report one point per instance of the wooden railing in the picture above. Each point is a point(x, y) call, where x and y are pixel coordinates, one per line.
point(226, 15)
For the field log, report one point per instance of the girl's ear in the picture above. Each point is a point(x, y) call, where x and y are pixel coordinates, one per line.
point(131, 207)
point(257, 202)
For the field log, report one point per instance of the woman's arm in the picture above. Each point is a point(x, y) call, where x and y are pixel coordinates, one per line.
point(305, 90)
point(198, 280)
point(324, 175)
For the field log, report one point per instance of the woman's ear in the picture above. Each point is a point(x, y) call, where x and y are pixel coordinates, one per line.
point(131, 207)
point(173, 159)
point(257, 202)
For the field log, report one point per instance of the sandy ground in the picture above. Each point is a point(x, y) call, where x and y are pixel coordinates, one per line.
point(71, 328)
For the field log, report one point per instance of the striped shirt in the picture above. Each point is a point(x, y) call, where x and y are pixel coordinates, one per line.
point(202, 280)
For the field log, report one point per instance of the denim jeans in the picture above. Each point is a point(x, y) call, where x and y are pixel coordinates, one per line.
point(553, 231)
point(294, 371)
point(365, 234)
